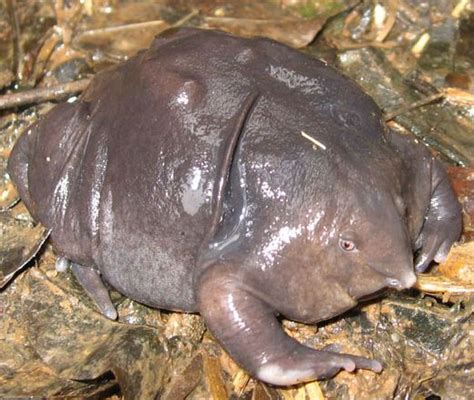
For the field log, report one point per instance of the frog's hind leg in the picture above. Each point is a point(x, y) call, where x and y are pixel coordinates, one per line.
point(92, 283)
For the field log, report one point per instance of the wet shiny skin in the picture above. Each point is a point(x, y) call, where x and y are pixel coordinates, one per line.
point(241, 179)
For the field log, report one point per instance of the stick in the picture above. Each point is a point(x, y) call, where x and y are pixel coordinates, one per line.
point(423, 102)
point(17, 50)
point(139, 25)
point(313, 140)
point(121, 28)
point(40, 95)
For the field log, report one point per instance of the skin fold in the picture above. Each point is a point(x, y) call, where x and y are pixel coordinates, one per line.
point(240, 179)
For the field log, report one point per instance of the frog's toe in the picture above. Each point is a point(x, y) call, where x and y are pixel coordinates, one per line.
point(423, 261)
point(443, 252)
point(350, 362)
point(92, 283)
point(365, 363)
point(62, 264)
point(333, 348)
point(435, 248)
point(430, 245)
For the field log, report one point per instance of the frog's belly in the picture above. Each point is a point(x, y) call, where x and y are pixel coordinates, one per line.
point(155, 272)
point(148, 254)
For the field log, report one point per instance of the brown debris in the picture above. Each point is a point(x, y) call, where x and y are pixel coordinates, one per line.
point(215, 382)
point(34, 96)
point(303, 31)
point(462, 180)
point(420, 103)
point(460, 264)
point(20, 243)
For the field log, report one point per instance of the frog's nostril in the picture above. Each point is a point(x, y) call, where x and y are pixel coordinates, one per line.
point(407, 281)
point(394, 283)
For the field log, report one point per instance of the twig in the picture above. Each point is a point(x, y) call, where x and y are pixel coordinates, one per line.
point(121, 28)
point(458, 96)
point(139, 25)
point(440, 283)
point(348, 45)
point(46, 50)
point(186, 18)
point(313, 140)
point(17, 50)
point(402, 110)
point(40, 95)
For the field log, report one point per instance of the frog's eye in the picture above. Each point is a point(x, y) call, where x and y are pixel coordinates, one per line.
point(347, 245)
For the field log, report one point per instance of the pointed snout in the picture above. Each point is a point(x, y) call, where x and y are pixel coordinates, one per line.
point(399, 275)
point(405, 281)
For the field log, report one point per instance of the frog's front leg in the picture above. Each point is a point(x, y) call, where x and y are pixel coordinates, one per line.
point(248, 329)
point(443, 221)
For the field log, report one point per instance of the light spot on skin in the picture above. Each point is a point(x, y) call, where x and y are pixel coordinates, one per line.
point(294, 80)
point(236, 318)
point(277, 242)
point(100, 167)
point(48, 159)
point(314, 221)
point(61, 194)
point(272, 194)
point(107, 227)
point(244, 56)
point(182, 98)
point(274, 374)
point(194, 195)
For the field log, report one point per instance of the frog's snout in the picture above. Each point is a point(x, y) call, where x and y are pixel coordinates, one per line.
point(405, 281)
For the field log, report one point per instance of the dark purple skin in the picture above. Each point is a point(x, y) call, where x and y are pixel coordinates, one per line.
point(183, 180)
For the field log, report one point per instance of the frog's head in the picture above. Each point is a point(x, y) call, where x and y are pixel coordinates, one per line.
point(370, 244)
point(329, 257)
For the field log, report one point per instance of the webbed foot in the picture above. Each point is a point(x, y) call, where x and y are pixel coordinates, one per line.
point(312, 364)
point(92, 283)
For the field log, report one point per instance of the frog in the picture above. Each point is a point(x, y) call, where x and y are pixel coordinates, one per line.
point(240, 179)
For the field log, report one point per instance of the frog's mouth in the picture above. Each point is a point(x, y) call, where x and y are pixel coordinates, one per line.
point(403, 280)
point(390, 287)
point(374, 295)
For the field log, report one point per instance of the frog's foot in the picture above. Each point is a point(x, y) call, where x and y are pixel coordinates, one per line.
point(443, 222)
point(312, 365)
point(62, 264)
point(92, 283)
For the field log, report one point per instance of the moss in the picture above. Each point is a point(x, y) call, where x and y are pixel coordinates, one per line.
point(312, 9)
